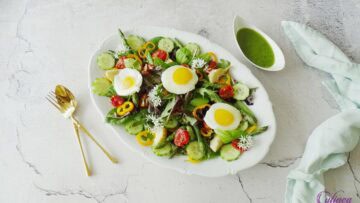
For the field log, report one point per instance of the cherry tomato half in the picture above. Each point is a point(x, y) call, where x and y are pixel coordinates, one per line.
point(182, 137)
point(120, 64)
point(117, 100)
point(235, 143)
point(161, 54)
point(226, 92)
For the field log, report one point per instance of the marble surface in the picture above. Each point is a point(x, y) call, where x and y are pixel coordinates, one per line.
point(48, 42)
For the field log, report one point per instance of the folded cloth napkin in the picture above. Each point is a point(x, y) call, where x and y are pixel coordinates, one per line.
point(328, 144)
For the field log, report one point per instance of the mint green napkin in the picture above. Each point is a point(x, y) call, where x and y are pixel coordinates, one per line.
point(328, 144)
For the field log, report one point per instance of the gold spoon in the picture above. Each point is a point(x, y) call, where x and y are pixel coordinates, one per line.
point(67, 100)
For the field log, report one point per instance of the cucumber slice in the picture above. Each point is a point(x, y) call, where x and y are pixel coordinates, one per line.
point(171, 123)
point(229, 153)
point(194, 48)
point(134, 127)
point(105, 61)
point(241, 91)
point(199, 101)
point(163, 151)
point(101, 86)
point(195, 150)
point(135, 42)
point(166, 44)
point(156, 40)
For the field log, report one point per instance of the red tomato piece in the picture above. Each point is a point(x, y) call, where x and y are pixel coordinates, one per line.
point(235, 143)
point(161, 54)
point(182, 137)
point(117, 100)
point(226, 92)
point(120, 64)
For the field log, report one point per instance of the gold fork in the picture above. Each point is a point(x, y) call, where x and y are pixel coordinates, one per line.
point(66, 103)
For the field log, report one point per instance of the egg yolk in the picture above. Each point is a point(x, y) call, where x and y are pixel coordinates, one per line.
point(223, 117)
point(182, 76)
point(128, 82)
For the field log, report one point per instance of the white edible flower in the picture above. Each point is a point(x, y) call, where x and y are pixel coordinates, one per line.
point(197, 63)
point(154, 97)
point(155, 120)
point(245, 142)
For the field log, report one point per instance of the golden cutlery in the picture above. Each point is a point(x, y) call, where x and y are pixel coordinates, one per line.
point(65, 102)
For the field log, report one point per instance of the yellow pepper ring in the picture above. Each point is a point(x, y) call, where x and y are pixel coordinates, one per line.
point(196, 110)
point(147, 47)
point(144, 138)
point(125, 108)
point(213, 56)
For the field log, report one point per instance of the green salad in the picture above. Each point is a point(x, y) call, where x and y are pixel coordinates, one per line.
point(177, 99)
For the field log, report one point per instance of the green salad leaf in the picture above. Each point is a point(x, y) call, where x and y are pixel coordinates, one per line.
point(227, 136)
point(211, 94)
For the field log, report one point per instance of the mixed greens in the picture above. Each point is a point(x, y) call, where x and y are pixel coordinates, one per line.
point(176, 99)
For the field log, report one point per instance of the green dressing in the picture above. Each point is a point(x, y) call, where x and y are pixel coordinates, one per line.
point(255, 47)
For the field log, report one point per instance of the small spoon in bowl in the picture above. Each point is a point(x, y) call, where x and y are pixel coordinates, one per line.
point(278, 62)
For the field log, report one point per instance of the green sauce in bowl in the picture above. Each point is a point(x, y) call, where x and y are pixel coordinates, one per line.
point(255, 47)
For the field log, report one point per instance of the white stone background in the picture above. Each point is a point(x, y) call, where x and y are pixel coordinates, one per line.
point(45, 42)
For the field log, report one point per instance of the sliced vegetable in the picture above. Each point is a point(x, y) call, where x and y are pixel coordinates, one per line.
point(135, 42)
point(183, 55)
point(226, 92)
point(117, 101)
point(191, 132)
point(166, 44)
point(195, 150)
point(241, 91)
point(101, 86)
point(193, 48)
point(164, 150)
point(145, 138)
point(200, 111)
point(125, 108)
point(161, 54)
point(229, 153)
point(134, 126)
point(105, 61)
point(182, 137)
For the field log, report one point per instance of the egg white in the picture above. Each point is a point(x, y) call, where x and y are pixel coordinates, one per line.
point(171, 86)
point(119, 78)
point(210, 117)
